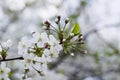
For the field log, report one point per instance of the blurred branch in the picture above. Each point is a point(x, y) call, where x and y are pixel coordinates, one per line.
point(89, 33)
point(95, 31)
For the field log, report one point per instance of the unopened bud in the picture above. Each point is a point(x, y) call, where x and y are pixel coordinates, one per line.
point(71, 34)
point(46, 28)
point(64, 40)
point(80, 35)
point(83, 51)
point(59, 17)
point(62, 29)
point(41, 73)
point(47, 24)
point(72, 54)
point(57, 20)
point(67, 20)
point(81, 42)
point(80, 39)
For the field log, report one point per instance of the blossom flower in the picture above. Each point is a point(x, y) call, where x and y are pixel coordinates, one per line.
point(46, 52)
point(23, 46)
point(43, 40)
point(4, 71)
point(38, 51)
point(7, 44)
point(44, 37)
point(36, 37)
point(55, 43)
point(29, 60)
point(4, 47)
point(52, 40)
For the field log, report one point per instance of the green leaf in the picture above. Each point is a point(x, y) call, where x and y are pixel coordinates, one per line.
point(96, 57)
point(75, 28)
point(10, 74)
point(61, 71)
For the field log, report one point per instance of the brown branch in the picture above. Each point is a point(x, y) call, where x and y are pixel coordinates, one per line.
point(11, 59)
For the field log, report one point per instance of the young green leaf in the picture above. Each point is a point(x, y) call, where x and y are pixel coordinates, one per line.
point(75, 28)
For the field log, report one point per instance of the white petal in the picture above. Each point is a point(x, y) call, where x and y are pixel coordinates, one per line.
point(58, 47)
point(53, 40)
point(3, 65)
point(36, 35)
point(9, 43)
point(40, 44)
point(26, 41)
point(54, 51)
point(7, 70)
point(44, 37)
point(46, 52)
point(6, 77)
point(4, 44)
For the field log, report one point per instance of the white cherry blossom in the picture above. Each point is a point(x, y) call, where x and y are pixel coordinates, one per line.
point(4, 71)
point(9, 43)
point(44, 37)
point(38, 51)
point(40, 44)
point(36, 37)
point(22, 48)
point(52, 40)
point(23, 45)
point(28, 59)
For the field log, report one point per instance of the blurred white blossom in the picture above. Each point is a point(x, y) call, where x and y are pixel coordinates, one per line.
point(4, 71)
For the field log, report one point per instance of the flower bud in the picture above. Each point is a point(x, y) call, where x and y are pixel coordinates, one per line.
point(81, 42)
point(59, 17)
point(83, 51)
point(71, 34)
point(47, 24)
point(80, 35)
point(64, 40)
point(57, 20)
point(67, 20)
point(72, 54)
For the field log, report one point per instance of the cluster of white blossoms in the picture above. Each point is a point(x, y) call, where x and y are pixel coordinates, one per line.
point(4, 47)
point(4, 71)
point(39, 50)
